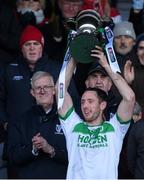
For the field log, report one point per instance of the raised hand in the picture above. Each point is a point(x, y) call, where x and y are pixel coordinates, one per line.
point(98, 53)
point(129, 74)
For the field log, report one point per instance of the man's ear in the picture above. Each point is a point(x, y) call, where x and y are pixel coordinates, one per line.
point(87, 83)
point(32, 92)
point(103, 105)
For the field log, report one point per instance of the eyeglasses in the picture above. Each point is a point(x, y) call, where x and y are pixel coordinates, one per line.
point(32, 0)
point(44, 88)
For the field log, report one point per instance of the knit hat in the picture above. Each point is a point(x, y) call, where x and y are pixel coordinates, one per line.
point(124, 28)
point(31, 33)
point(138, 40)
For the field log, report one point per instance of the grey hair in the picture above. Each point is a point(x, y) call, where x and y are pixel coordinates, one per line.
point(137, 109)
point(37, 75)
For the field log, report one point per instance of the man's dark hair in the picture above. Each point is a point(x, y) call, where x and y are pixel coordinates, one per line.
point(102, 95)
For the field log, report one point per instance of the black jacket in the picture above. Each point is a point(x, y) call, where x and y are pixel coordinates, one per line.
point(135, 151)
point(9, 34)
point(15, 97)
point(137, 86)
point(58, 28)
point(20, 134)
point(113, 102)
point(138, 20)
point(55, 49)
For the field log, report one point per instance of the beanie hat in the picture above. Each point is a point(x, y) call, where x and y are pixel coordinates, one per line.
point(124, 28)
point(138, 40)
point(31, 33)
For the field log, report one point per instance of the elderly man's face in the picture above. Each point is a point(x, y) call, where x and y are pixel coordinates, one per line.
point(98, 80)
point(123, 44)
point(43, 91)
point(32, 51)
point(70, 9)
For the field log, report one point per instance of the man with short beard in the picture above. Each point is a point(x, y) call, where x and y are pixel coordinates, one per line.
point(124, 41)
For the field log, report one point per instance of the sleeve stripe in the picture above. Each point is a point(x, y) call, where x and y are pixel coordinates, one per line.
point(121, 121)
point(67, 114)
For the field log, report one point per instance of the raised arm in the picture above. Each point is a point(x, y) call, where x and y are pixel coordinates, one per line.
point(126, 106)
point(67, 98)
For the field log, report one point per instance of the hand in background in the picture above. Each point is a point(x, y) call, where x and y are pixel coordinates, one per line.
point(129, 74)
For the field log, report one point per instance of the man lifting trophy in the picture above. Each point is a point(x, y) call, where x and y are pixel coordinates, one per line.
point(91, 30)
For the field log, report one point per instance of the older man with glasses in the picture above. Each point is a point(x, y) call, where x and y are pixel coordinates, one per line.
point(36, 140)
